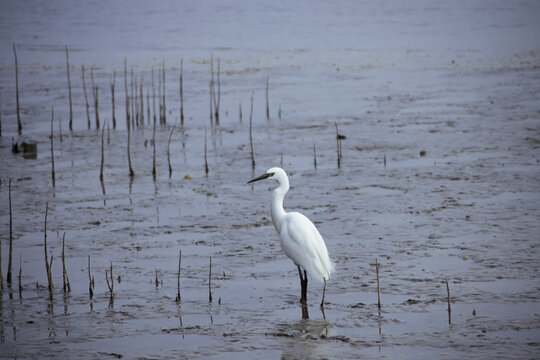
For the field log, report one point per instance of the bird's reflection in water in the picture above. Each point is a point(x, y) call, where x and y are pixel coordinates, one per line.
point(302, 334)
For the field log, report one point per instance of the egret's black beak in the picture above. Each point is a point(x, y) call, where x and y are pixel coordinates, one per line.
point(262, 177)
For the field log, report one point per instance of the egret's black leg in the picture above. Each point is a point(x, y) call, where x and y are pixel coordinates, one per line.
point(323, 293)
point(303, 285)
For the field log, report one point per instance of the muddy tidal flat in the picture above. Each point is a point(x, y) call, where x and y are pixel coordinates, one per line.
point(410, 134)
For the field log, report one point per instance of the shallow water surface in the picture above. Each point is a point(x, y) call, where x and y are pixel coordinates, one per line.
point(438, 180)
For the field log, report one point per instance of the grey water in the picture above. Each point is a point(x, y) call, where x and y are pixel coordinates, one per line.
point(438, 181)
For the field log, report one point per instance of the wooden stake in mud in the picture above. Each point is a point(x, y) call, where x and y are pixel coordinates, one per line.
point(132, 108)
point(205, 150)
point(136, 103)
point(210, 282)
point(20, 277)
point(53, 175)
point(69, 88)
point(216, 97)
point(157, 279)
point(1, 275)
point(9, 275)
point(102, 153)
point(251, 133)
point(96, 97)
point(169, 151)
point(178, 297)
point(181, 92)
point(19, 123)
point(127, 98)
point(148, 115)
point(67, 286)
point(154, 96)
point(131, 172)
point(448, 300)
point(338, 140)
point(141, 102)
point(110, 285)
point(90, 281)
point(378, 286)
point(113, 84)
point(0, 114)
point(164, 106)
point(48, 264)
point(154, 157)
point(314, 157)
point(240, 111)
point(267, 104)
point(211, 101)
point(87, 106)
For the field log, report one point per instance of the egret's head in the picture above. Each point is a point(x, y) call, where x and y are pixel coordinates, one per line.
point(272, 173)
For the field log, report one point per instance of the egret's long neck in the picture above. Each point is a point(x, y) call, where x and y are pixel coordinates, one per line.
point(276, 204)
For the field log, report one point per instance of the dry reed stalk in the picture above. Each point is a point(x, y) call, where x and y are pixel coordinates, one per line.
point(448, 300)
point(53, 175)
point(154, 153)
point(240, 111)
point(178, 297)
point(267, 103)
point(90, 281)
point(127, 95)
point(314, 157)
point(113, 84)
point(9, 275)
point(154, 96)
point(164, 106)
point(131, 172)
point(181, 93)
point(205, 150)
point(136, 102)
point(0, 114)
point(102, 153)
point(67, 286)
point(169, 151)
point(378, 285)
point(48, 264)
point(96, 97)
point(20, 277)
point(141, 102)
point(210, 281)
point(148, 115)
point(216, 97)
point(69, 88)
point(19, 123)
point(160, 100)
point(132, 110)
point(110, 285)
point(87, 106)
point(251, 133)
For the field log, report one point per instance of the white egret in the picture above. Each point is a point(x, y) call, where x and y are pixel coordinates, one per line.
point(300, 239)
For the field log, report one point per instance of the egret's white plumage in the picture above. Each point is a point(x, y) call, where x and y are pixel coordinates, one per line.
point(300, 239)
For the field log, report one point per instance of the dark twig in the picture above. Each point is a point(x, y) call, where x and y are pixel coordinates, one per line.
point(267, 103)
point(113, 85)
point(87, 106)
point(9, 275)
point(127, 99)
point(102, 153)
point(448, 300)
point(178, 297)
point(69, 88)
point(181, 92)
point(47, 263)
point(20, 277)
point(53, 175)
point(67, 285)
point(205, 151)
point(154, 153)
point(169, 151)
point(251, 133)
point(378, 285)
point(90, 281)
point(19, 123)
point(96, 97)
point(210, 282)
